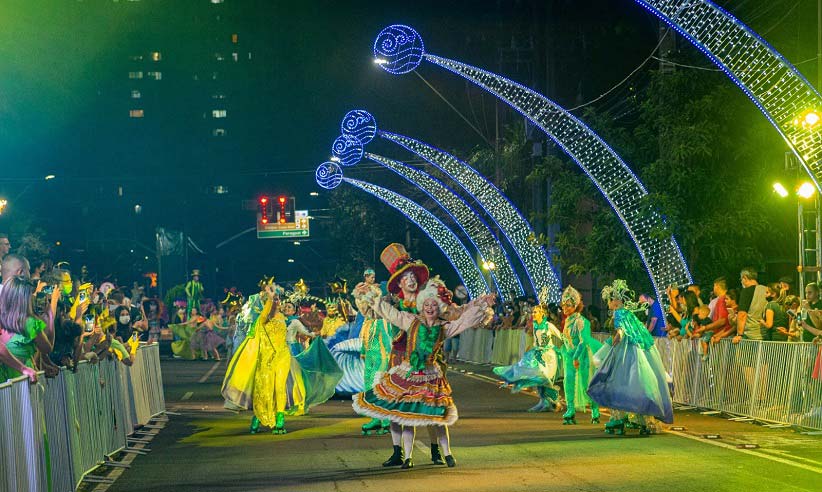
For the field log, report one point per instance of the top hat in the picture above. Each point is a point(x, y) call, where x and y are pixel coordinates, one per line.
point(397, 260)
point(195, 272)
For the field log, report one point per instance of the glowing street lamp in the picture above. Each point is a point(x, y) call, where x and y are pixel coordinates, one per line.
point(806, 190)
point(808, 119)
point(780, 190)
point(3, 204)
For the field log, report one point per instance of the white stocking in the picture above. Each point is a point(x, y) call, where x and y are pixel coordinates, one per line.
point(408, 433)
point(443, 438)
point(396, 434)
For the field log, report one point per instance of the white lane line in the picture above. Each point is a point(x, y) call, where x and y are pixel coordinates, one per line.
point(419, 445)
point(210, 372)
point(187, 396)
point(758, 454)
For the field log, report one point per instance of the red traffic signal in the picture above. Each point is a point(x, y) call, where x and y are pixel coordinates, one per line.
point(282, 200)
point(264, 220)
point(263, 200)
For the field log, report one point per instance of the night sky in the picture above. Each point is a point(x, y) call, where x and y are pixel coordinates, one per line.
point(65, 97)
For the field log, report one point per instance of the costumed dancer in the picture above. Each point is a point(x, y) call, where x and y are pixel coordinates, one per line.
point(206, 340)
point(631, 380)
point(376, 344)
point(578, 349)
point(262, 370)
point(194, 292)
point(538, 366)
point(416, 392)
point(248, 315)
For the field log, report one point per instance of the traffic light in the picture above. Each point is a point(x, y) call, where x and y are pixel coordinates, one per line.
point(264, 210)
point(282, 201)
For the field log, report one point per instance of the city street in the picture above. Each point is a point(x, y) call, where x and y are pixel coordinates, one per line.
point(498, 447)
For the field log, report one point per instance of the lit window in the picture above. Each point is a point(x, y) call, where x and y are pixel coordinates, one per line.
point(156, 56)
point(218, 96)
point(235, 38)
point(136, 95)
point(135, 113)
point(216, 1)
point(218, 132)
point(234, 55)
point(135, 75)
point(218, 56)
point(136, 57)
point(156, 75)
point(219, 113)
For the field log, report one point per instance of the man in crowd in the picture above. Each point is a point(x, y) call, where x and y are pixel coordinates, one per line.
point(697, 291)
point(5, 245)
point(751, 307)
point(655, 323)
point(14, 265)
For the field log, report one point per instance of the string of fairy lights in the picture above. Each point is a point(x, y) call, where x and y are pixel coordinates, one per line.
point(775, 86)
point(476, 229)
point(445, 239)
point(398, 49)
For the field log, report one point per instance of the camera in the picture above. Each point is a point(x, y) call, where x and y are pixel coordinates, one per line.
point(88, 323)
point(49, 289)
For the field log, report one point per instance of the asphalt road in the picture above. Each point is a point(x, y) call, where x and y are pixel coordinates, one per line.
point(498, 447)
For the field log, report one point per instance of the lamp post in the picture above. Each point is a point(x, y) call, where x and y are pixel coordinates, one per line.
point(809, 240)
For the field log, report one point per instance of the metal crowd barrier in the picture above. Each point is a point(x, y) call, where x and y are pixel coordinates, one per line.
point(54, 433)
point(764, 381)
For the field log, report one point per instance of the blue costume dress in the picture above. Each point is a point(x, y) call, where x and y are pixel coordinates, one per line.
point(537, 368)
point(631, 377)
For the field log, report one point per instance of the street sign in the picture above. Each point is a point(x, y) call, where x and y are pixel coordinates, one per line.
point(289, 230)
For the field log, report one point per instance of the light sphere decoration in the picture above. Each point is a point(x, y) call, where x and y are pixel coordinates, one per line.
point(328, 175)
point(398, 49)
point(347, 150)
point(359, 124)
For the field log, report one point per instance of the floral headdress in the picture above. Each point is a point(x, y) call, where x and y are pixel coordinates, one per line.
point(571, 297)
point(619, 290)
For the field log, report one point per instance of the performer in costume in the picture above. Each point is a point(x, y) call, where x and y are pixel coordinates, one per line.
point(415, 392)
point(578, 348)
point(631, 378)
point(194, 292)
point(376, 344)
point(538, 366)
point(262, 370)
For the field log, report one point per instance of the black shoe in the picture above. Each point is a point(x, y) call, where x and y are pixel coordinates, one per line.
point(436, 456)
point(450, 461)
point(395, 459)
point(407, 464)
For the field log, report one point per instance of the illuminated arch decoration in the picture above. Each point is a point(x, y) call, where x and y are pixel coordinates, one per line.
point(661, 256)
point(359, 124)
point(328, 175)
point(445, 239)
point(507, 217)
point(347, 150)
point(477, 231)
point(774, 85)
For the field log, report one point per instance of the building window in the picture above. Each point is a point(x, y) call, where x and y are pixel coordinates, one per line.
point(156, 75)
point(218, 132)
point(135, 113)
point(218, 96)
point(218, 56)
point(216, 1)
point(235, 38)
point(156, 56)
point(235, 56)
point(135, 75)
point(136, 57)
point(219, 113)
point(136, 95)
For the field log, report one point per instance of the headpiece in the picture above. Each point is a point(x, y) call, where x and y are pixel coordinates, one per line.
point(368, 271)
point(338, 286)
point(195, 272)
point(617, 290)
point(571, 297)
point(434, 289)
point(301, 288)
point(265, 281)
point(397, 260)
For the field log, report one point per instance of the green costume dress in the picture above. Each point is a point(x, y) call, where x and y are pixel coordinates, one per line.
point(22, 346)
point(580, 346)
point(194, 293)
point(376, 350)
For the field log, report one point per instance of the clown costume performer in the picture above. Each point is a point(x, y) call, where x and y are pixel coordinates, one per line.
point(538, 366)
point(578, 349)
point(263, 373)
point(631, 378)
point(416, 392)
point(376, 345)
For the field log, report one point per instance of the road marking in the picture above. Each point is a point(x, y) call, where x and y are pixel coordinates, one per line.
point(758, 454)
point(419, 445)
point(210, 372)
point(187, 396)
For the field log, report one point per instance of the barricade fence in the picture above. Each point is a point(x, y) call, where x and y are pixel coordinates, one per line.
point(55, 432)
point(771, 382)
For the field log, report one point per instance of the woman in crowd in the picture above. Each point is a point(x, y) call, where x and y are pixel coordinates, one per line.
point(774, 319)
point(23, 334)
point(631, 379)
point(415, 392)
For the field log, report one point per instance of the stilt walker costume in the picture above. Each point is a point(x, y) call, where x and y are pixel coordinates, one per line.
point(194, 292)
point(416, 392)
point(538, 366)
point(263, 374)
point(631, 378)
point(376, 344)
point(578, 349)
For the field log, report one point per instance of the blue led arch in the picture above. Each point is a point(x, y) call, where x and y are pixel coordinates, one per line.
point(505, 215)
point(477, 231)
point(398, 49)
point(622, 189)
point(347, 150)
point(445, 239)
point(359, 124)
point(328, 175)
point(774, 85)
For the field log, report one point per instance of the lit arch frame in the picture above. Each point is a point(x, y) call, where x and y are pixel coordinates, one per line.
point(445, 239)
point(622, 189)
point(774, 85)
point(505, 215)
point(477, 231)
